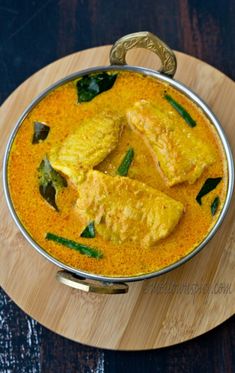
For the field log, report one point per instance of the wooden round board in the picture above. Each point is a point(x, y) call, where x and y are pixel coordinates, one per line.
point(155, 313)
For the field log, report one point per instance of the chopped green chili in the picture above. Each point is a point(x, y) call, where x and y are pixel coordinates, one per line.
point(181, 110)
point(89, 231)
point(215, 205)
point(83, 249)
point(126, 162)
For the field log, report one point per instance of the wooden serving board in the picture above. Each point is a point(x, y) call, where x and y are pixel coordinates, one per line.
point(155, 313)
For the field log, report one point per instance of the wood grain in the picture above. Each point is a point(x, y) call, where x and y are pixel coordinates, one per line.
point(155, 313)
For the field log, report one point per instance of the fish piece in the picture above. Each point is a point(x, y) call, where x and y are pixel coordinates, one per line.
point(125, 210)
point(87, 146)
point(180, 153)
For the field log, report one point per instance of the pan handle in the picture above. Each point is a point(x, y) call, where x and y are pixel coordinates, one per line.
point(147, 40)
point(91, 286)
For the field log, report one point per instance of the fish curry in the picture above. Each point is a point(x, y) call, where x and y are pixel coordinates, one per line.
point(117, 174)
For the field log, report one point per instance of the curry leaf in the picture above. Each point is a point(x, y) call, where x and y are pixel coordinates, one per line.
point(215, 205)
point(83, 249)
point(41, 131)
point(48, 192)
point(90, 86)
point(207, 187)
point(181, 110)
point(89, 231)
point(50, 182)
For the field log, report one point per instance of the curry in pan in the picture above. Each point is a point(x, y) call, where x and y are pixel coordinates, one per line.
point(117, 174)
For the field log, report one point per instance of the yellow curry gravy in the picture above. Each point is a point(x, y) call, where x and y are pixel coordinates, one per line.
point(61, 111)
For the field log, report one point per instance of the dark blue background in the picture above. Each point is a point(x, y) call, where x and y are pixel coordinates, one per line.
point(35, 33)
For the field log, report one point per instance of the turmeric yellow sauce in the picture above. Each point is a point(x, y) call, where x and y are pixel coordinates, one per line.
point(61, 111)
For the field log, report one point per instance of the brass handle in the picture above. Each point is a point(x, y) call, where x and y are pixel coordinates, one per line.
point(147, 40)
point(91, 286)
